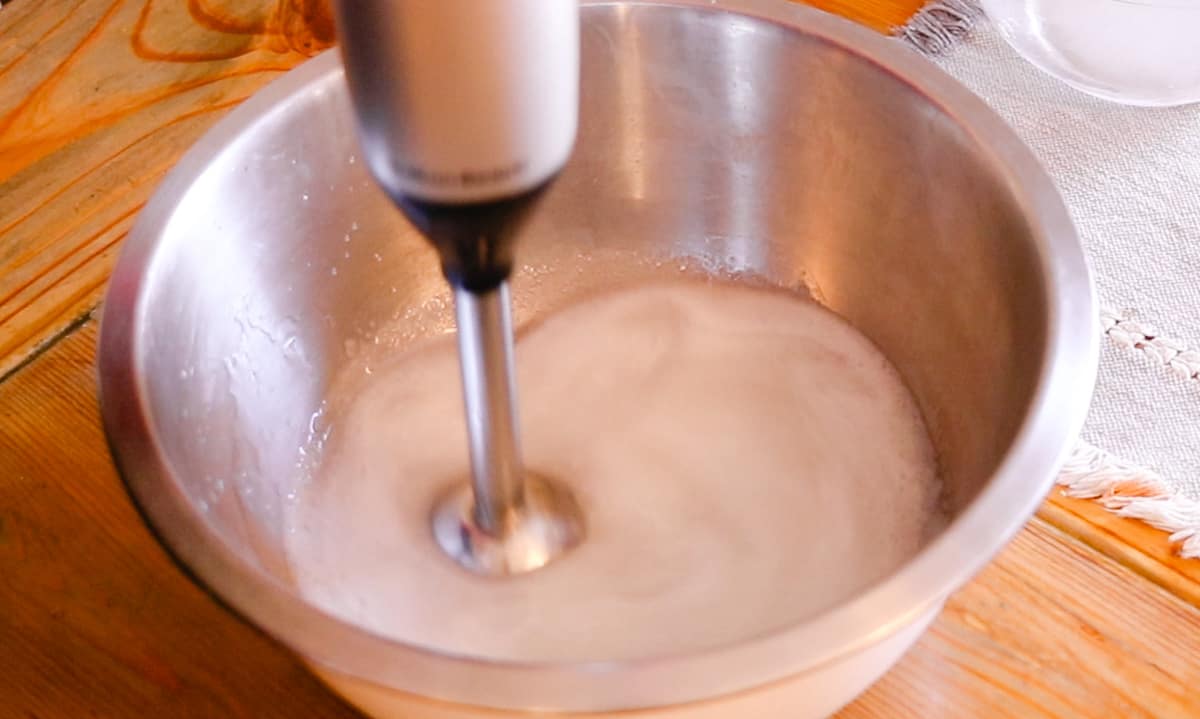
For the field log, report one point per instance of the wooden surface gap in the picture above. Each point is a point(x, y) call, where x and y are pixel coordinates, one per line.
point(49, 343)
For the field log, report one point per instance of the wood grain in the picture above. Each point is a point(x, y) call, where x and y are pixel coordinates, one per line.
point(1051, 629)
point(1136, 545)
point(880, 15)
point(98, 99)
point(96, 621)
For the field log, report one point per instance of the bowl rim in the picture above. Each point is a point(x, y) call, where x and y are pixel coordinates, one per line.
point(1052, 421)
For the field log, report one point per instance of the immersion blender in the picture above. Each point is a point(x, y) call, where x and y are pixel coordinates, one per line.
point(466, 110)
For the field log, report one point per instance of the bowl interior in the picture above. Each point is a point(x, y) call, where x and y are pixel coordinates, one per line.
point(729, 144)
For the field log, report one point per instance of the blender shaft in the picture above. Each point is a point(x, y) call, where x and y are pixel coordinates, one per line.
point(489, 392)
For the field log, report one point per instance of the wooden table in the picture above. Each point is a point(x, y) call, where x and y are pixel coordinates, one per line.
point(1085, 615)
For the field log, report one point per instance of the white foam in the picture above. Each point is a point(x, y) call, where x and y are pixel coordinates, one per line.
point(745, 460)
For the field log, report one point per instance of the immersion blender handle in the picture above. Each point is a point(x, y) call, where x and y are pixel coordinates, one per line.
point(462, 101)
point(466, 109)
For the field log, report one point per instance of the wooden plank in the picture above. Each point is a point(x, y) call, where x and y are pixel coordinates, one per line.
point(98, 98)
point(880, 15)
point(95, 620)
point(1134, 544)
point(1051, 629)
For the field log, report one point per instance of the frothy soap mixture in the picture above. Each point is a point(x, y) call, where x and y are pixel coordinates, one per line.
point(745, 459)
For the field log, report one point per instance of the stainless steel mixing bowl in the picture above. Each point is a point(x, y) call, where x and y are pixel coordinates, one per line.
point(749, 136)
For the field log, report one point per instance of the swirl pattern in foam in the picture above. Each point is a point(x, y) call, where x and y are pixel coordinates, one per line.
point(745, 460)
